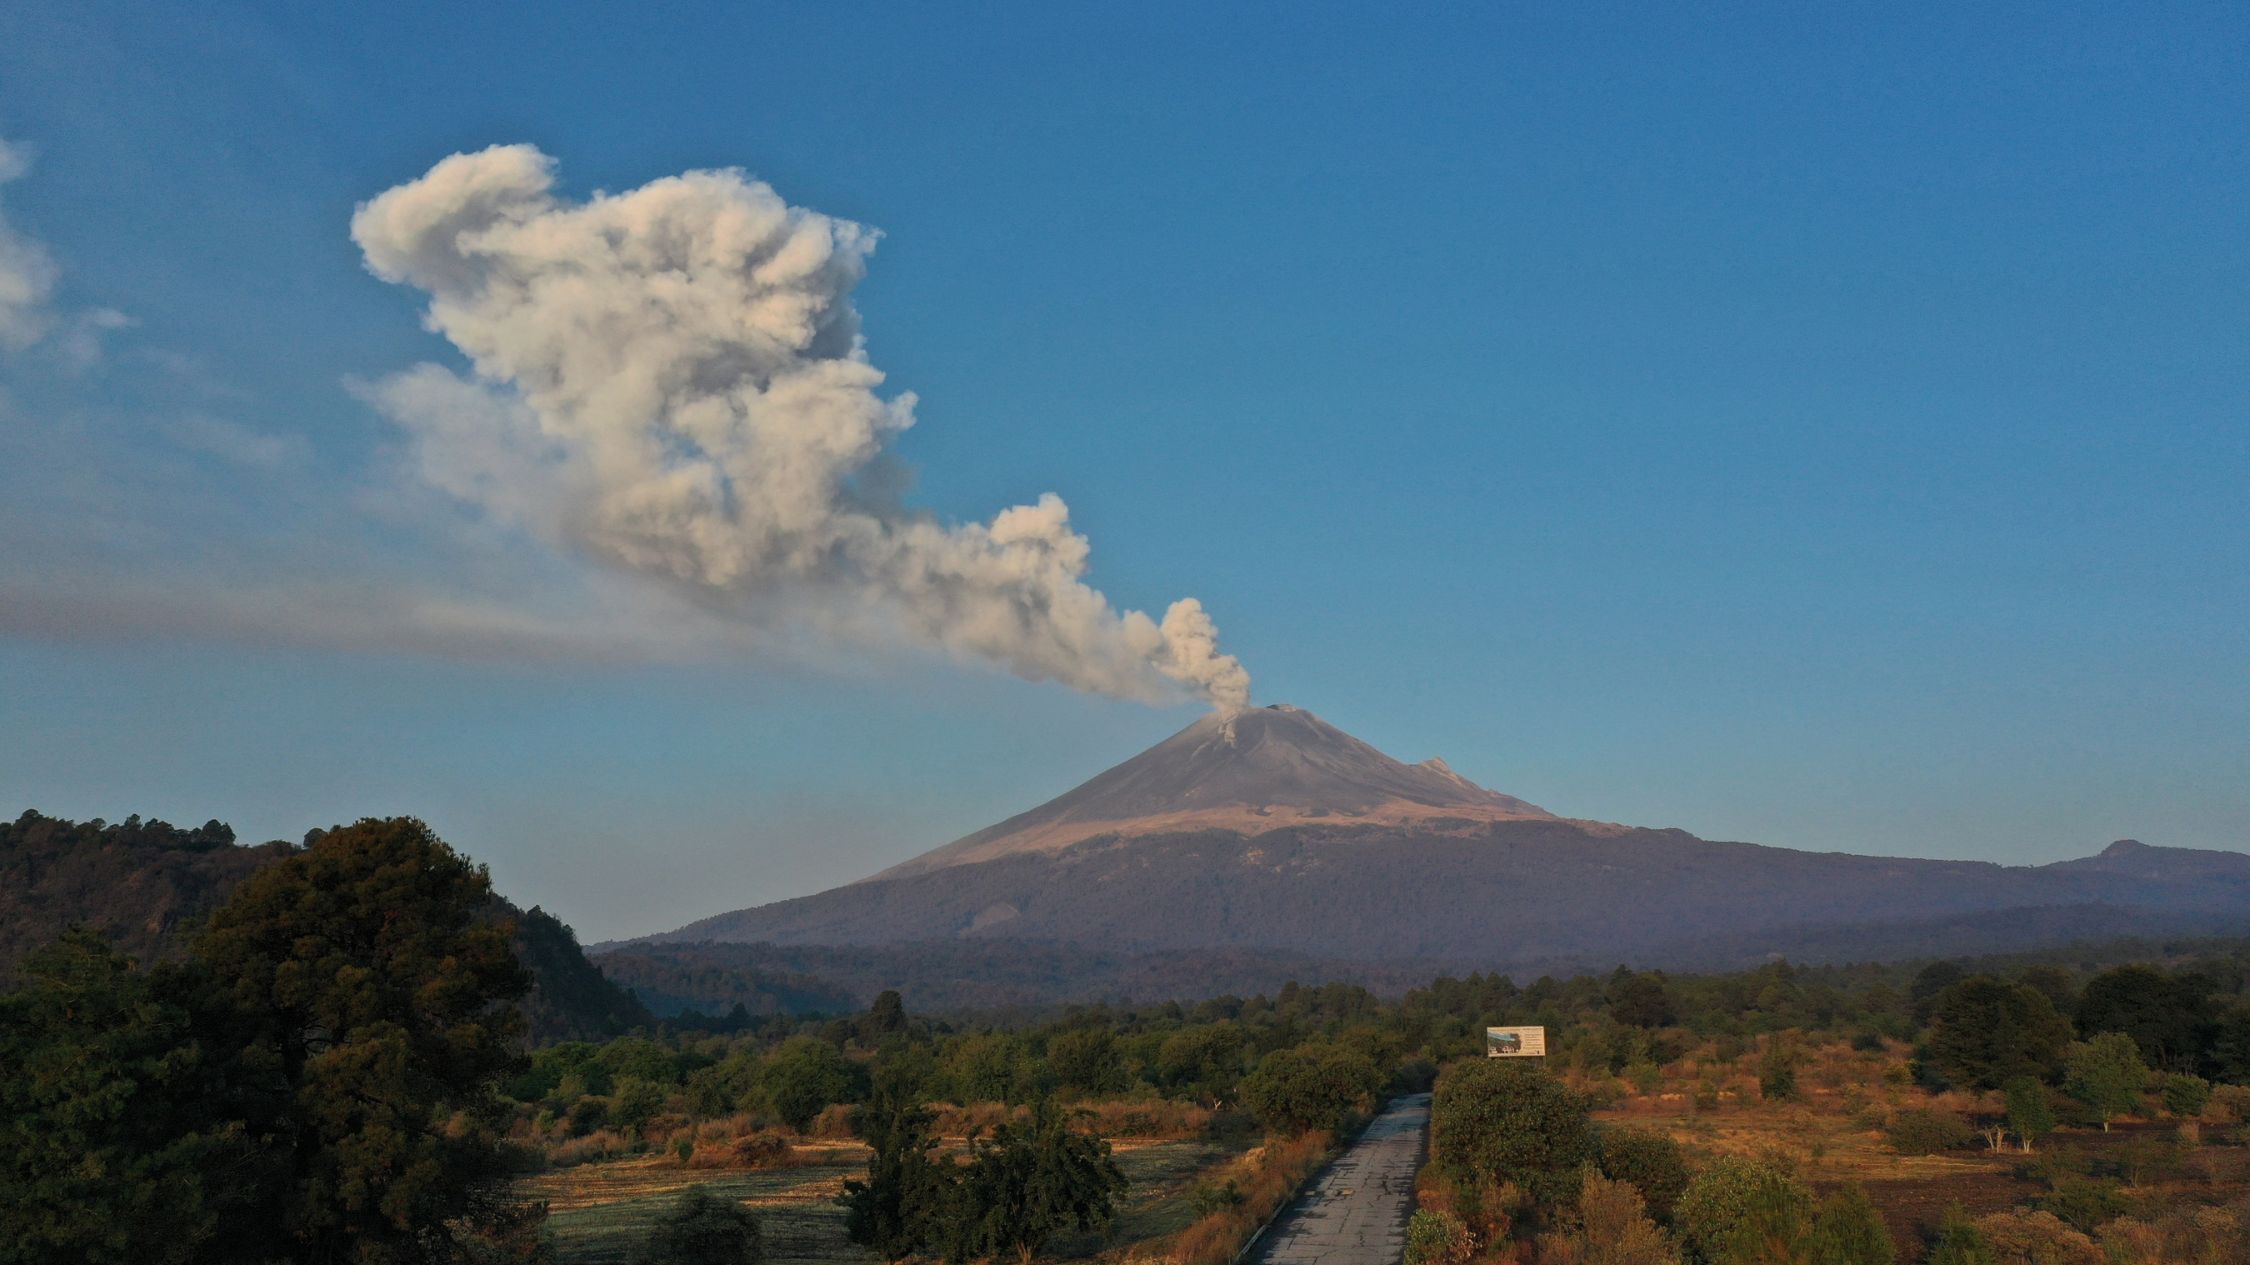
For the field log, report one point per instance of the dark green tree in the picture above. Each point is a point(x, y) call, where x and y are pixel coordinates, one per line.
point(1959, 1242)
point(2184, 1096)
point(1205, 1062)
point(885, 1018)
point(1500, 1120)
point(898, 1209)
point(1847, 1230)
point(1777, 1068)
point(635, 1103)
point(108, 1151)
point(2106, 1074)
point(2031, 1111)
point(1650, 1161)
point(704, 1229)
point(1029, 1181)
point(1743, 1210)
point(1087, 1060)
point(804, 1077)
point(1929, 983)
point(2170, 1017)
point(1985, 1032)
point(1309, 1087)
point(1641, 1000)
point(366, 1034)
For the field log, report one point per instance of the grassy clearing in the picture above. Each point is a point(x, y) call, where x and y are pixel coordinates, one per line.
point(599, 1213)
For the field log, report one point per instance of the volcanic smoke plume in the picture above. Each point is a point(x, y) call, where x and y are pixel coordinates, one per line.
point(672, 380)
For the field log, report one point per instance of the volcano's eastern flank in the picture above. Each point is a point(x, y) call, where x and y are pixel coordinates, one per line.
point(1245, 771)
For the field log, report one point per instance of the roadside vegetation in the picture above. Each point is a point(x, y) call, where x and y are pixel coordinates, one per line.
point(335, 1065)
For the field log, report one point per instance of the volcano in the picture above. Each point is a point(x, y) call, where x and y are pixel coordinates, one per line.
point(1271, 831)
point(1244, 772)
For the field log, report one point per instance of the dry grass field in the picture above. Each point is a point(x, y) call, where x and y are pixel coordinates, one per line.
point(599, 1213)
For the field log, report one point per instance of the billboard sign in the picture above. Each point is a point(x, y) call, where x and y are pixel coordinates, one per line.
point(1515, 1043)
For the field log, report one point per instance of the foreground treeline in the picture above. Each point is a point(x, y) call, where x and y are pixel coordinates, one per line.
point(314, 1081)
point(335, 1067)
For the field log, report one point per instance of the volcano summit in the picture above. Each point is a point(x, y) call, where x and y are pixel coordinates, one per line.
point(1246, 771)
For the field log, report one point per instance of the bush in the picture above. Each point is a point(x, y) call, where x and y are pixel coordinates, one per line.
point(1310, 1088)
point(2035, 1238)
point(1777, 1070)
point(2084, 1202)
point(1959, 1242)
point(2231, 1102)
point(1499, 1121)
point(704, 1229)
point(1610, 1226)
point(1927, 1131)
point(2185, 1096)
point(1733, 1199)
point(1213, 1197)
point(1847, 1230)
point(1649, 1161)
point(1438, 1238)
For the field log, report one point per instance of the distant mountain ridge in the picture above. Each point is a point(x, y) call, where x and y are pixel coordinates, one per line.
point(1272, 831)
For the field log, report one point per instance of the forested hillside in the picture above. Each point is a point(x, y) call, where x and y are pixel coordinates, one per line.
point(136, 882)
point(143, 886)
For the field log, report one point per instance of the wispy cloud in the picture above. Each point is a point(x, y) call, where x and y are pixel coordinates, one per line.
point(238, 444)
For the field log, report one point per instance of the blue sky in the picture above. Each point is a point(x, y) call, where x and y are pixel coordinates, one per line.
point(1823, 429)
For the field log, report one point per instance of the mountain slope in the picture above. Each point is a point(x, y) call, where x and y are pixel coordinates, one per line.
point(1491, 892)
point(1270, 830)
point(1246, 771)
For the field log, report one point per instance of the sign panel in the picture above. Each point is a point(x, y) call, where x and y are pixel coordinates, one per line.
point(1515, 1043)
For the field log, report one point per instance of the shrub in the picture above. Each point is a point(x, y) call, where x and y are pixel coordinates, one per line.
point(1438, 1238)
point(1959, 1242)
point(753, 1151)
point(704, 1229)
point(1927, 1131)
point(1150, 1118)
point(2084, 1202)
point(1609, 1227)
point(1847, 1230)
point(1213, 1197)
point(1645, 1077)
point(1734, 1199)
point(2185, 1096)
point(1496, 1120)
point(1650, 1161)
point(2231, 1102)
point(2035, 1238)
point(1310, 1088)
point(1777, 1070)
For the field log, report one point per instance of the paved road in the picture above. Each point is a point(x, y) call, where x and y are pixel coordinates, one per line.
point(1355, 1213)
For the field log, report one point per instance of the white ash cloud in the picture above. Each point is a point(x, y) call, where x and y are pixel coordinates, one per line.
point(672, 380)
